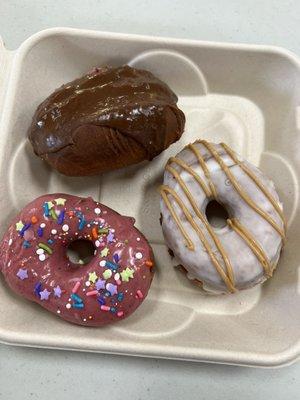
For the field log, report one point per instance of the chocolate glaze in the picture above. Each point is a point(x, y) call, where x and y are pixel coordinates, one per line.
point(57, 269)
point(107, 119)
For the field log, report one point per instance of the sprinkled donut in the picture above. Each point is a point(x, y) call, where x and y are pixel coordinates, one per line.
point(246, 250)
point(34, 261)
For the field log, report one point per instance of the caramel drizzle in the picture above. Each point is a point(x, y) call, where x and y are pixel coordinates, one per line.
point(239, 189)
point(252, 244)
point(201, 161)
point(188, 169)
point(257, 182)
point(205, 222)
point(164, 190)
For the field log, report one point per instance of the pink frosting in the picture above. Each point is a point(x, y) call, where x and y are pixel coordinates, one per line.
point(35, 265)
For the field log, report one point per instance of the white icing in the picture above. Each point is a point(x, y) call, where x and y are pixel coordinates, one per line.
point(247, 269)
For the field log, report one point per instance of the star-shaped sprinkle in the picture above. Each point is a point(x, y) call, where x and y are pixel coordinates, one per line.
point(44, 295)
point(22, 274)
point(127, 274)
point(110, 237)
point(113, 289)
point(50, 204)
point(100, 284)
point(57, 291)
point(107, 274)
point(93, 277)
point(60, 201)
point(19, 226)
point(105, 252)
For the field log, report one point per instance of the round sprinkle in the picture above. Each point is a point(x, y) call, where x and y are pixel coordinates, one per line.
point(97, 211)
point(84, 319)
point(42, 225)
point(10, 242)
point(87, 283)
point(117, 276)
point(34, 219)
point(138, 239)
point(65, 228)
point(54, 231)
point(149, 263)
point(97, 243)
point(88, 225)
point(139, 256)
point(58, 311)
point(40, 251)
point(42, 257)
point(102, 263)
point(68, 306)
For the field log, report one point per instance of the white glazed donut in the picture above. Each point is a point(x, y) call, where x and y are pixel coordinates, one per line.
point(239, 255)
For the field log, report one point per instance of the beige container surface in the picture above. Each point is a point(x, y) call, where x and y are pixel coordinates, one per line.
point(247, 96)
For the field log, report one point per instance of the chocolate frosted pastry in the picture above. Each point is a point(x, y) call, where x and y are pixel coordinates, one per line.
point(107, 119)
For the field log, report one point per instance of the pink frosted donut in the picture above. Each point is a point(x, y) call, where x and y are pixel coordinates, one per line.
point(34, 261)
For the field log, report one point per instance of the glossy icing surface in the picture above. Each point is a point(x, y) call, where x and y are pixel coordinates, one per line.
point(34, 261)
point(130, 103)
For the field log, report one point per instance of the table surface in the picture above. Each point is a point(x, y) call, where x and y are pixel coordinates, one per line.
point(45, 374)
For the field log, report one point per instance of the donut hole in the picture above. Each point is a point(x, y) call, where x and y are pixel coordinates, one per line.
point(216, 214)
point(80, 251)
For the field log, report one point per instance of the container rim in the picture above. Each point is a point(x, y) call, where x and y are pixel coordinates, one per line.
point(55, 31)
point(276, 360)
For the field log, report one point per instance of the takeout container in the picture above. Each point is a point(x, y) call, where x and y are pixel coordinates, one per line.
point(245, 95)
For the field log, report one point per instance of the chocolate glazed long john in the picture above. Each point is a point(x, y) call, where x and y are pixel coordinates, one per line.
point(107, 119)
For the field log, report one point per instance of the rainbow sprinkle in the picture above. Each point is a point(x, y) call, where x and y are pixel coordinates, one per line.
point(45, 247)
point(53, 214)
point(46, 209)
point(76, 298)
point(77, 305)
point(111, 265)
point(76, 287)
point(61, 217)
point(106, 285)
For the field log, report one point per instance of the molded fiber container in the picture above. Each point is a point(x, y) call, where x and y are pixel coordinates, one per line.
point(247, 96)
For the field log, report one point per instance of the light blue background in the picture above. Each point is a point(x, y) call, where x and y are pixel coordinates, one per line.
point(41, 374)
